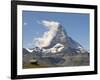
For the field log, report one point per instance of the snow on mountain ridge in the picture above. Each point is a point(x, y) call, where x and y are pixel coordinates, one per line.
point(29, 50)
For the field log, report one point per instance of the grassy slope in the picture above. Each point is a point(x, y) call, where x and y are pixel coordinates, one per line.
point(74, 60)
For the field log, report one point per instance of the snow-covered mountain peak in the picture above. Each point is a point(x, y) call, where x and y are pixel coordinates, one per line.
point(55, 40)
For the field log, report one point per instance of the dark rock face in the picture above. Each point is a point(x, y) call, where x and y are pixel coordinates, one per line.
point(25, 51)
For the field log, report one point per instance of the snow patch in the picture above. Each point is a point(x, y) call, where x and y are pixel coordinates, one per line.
point(29, 50)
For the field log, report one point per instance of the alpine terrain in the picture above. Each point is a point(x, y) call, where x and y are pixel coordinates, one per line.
point(55, 48)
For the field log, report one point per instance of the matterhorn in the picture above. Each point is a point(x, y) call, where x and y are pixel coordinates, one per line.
point(56, 48)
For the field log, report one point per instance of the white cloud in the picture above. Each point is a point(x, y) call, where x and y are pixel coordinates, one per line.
point(47, 37)
point(52, 25)
point(25, 23)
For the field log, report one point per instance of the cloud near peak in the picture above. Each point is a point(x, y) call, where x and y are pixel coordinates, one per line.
point(52, 25)
point(47, 36)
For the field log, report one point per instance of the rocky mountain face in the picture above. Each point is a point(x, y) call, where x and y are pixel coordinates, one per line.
point(61, 49)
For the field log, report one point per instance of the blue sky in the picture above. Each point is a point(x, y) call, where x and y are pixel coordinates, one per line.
point(75, 24)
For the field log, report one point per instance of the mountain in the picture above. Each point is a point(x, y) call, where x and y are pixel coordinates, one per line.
point(56, 34)
point(56, 47)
